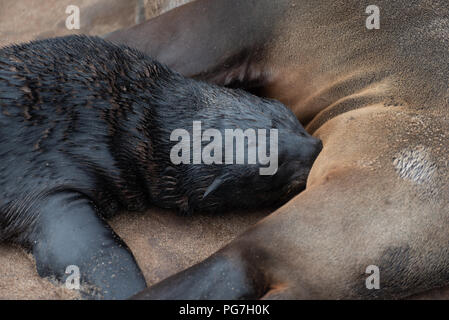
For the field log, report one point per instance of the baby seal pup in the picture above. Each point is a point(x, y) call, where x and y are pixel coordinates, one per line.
point(85, 130)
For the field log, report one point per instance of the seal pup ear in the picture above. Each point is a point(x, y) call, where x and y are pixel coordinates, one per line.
point(215, 185)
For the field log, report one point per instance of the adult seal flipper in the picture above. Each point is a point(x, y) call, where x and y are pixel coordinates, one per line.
point(221, 276)
point(378, 194)
point(211, 48)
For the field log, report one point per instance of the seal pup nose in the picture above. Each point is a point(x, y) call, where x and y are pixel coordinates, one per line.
point(318, 146)
point(312, 149)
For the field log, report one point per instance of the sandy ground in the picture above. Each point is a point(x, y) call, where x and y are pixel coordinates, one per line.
point(163, 242)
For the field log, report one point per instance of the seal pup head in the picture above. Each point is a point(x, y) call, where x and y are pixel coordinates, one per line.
point(229, 150)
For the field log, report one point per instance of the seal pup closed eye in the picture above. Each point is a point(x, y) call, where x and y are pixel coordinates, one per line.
point(89, 128)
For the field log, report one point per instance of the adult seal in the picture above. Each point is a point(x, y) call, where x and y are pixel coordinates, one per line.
point(85, 129)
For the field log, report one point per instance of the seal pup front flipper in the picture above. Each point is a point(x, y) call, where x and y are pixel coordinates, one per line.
point(69, 232)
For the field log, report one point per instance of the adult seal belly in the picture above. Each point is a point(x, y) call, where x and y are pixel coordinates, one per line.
point(86, 131)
